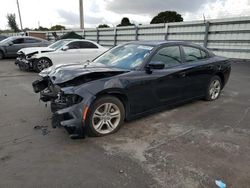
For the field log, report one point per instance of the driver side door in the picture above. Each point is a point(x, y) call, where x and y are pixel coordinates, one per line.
point(169, 87)
point(71, 55)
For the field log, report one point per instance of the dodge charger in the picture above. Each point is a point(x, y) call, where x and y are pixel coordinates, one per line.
point(129, 81)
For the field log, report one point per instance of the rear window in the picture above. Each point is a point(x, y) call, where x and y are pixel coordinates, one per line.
point(193, 54)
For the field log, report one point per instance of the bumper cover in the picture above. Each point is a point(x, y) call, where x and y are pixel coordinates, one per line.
point(24, 64)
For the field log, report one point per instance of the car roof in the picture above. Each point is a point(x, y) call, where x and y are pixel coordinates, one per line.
point(162, 42)
point(16, 37)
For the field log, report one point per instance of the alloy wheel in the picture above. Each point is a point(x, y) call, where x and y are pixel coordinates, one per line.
point(42, 64)
point(106, 118)
point(214, 90)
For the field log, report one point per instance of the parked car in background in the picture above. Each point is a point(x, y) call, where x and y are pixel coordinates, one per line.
point(3, 37)
point(64, 51)
point(128, 81)
point(10, 45)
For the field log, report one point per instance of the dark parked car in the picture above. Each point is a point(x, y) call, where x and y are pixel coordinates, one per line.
point(10, 45)
point(3, 37)
point(128, 81)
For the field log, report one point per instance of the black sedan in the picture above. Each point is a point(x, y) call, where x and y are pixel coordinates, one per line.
point(129, 81)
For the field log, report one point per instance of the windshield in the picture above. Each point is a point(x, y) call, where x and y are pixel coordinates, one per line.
point(58, 44)
point(127, 56)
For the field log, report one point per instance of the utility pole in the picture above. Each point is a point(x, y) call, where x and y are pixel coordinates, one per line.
point(81, 14)
point(19, 15)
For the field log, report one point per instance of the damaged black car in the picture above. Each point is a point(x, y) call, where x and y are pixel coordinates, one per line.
point(129, 81)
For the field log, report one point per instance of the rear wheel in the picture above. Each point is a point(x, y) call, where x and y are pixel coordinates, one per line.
point(214, 89)
point(105, 116)
point(41, 64)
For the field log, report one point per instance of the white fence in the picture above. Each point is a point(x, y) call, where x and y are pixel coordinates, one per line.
point(226, 37)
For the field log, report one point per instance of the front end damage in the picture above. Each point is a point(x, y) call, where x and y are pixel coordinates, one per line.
point(25, 62)
point(71, 89)
point(67, 107)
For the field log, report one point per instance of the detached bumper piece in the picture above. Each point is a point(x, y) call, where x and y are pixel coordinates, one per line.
point(69, 119)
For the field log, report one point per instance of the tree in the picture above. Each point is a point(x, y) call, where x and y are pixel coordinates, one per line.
point(12, 22)
point(103, 26)
point(40, 28)
point(166, 17)
point(57, 27)
point(125, 22)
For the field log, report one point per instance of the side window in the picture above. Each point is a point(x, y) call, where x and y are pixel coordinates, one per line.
point(85, 44)
point(193, 54)
point(18, 41)
point(30, 40)
point(170, 56)
point(74, 45)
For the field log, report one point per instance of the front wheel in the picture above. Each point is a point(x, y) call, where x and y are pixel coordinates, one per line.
point(214, 89)
point(41, 64)
point(105, 116)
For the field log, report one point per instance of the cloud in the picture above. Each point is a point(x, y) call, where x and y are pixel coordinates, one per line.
point(71, 19)
point(152, 7)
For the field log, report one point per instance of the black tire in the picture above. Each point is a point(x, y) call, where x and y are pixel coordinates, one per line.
point(210, 96)
point(1, 55)
point(98, 103)
point(41, 64)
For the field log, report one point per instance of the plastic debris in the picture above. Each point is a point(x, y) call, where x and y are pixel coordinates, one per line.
point(220, 184)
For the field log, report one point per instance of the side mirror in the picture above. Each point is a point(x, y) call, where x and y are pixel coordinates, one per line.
point(65, 48)
point(11, 43)
point(156, 65)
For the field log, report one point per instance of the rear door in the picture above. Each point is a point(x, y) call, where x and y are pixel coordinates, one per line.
point(32, 42)
point(89, 50)
point(198, 72)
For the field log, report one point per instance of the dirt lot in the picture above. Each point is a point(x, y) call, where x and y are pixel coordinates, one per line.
point(188, 146)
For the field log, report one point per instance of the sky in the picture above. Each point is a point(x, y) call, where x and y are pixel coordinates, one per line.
point(47, 13)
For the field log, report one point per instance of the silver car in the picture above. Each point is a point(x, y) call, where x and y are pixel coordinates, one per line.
point(10, 45)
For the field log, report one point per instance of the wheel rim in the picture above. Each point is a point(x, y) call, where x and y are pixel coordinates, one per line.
point(106, 118)
point(42, 64)
point(215, 89)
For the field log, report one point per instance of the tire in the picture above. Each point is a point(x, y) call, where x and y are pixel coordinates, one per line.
point(1, 55)
point(41, 64)
point(213, 89)
point(105, 116)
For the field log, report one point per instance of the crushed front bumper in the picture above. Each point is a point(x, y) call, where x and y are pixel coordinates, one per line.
point(23, 63)
point(65, 113)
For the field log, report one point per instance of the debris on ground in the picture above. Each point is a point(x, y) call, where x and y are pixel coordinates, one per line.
point(43, 128)
point(220, 184)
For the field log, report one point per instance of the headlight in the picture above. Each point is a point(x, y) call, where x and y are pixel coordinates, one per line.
point(69, 99)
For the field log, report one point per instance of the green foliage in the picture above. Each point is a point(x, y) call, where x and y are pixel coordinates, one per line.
point(40, 28)
point(167, 17)
point(57, 27)
point(103, 26)
point(125, 22)
point(12, 22)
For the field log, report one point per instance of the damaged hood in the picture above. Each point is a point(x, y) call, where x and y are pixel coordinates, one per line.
point(66, 72)
point(35, 50)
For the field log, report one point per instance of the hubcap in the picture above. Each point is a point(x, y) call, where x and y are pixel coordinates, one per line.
point(215, 89)
point(106, 118)
point(42, 64)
